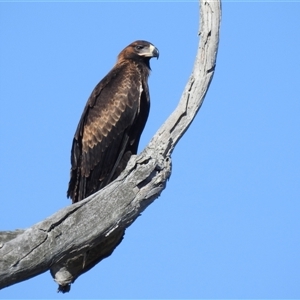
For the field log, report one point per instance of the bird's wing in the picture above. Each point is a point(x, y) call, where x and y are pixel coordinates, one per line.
point(103, 131)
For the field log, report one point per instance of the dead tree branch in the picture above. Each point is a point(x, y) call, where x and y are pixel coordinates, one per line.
point(59, 243)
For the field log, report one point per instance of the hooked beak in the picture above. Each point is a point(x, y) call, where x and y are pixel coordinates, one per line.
point(150, 51)
point(154, 51)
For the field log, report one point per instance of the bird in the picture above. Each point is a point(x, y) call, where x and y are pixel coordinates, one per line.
point(112, 122)
point(107, 134)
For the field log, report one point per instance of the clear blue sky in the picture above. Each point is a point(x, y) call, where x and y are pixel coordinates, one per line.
point(228, 223)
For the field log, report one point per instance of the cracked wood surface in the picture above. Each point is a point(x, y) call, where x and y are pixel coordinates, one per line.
point(59, 243)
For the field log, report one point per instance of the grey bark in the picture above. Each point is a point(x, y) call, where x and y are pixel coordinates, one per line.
point(60, 242)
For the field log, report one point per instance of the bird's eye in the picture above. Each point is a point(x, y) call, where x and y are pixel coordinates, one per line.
point(139, 47)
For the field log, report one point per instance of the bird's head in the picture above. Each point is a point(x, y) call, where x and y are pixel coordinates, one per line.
point(139, 50)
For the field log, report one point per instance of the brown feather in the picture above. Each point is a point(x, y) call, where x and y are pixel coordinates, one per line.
point(111, 124)
point(108, 134)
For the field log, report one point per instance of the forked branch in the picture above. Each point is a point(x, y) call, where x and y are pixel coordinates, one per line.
point(59, 243)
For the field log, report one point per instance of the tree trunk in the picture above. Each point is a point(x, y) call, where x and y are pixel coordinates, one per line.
point(68, 242)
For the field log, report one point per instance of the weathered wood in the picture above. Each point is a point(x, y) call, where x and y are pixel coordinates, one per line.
point(61, 241)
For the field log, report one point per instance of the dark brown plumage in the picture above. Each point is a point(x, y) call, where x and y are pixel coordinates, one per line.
point(107, 135)
point(113, 119)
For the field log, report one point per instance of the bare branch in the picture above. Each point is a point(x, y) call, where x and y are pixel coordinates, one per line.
point(60, 242)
